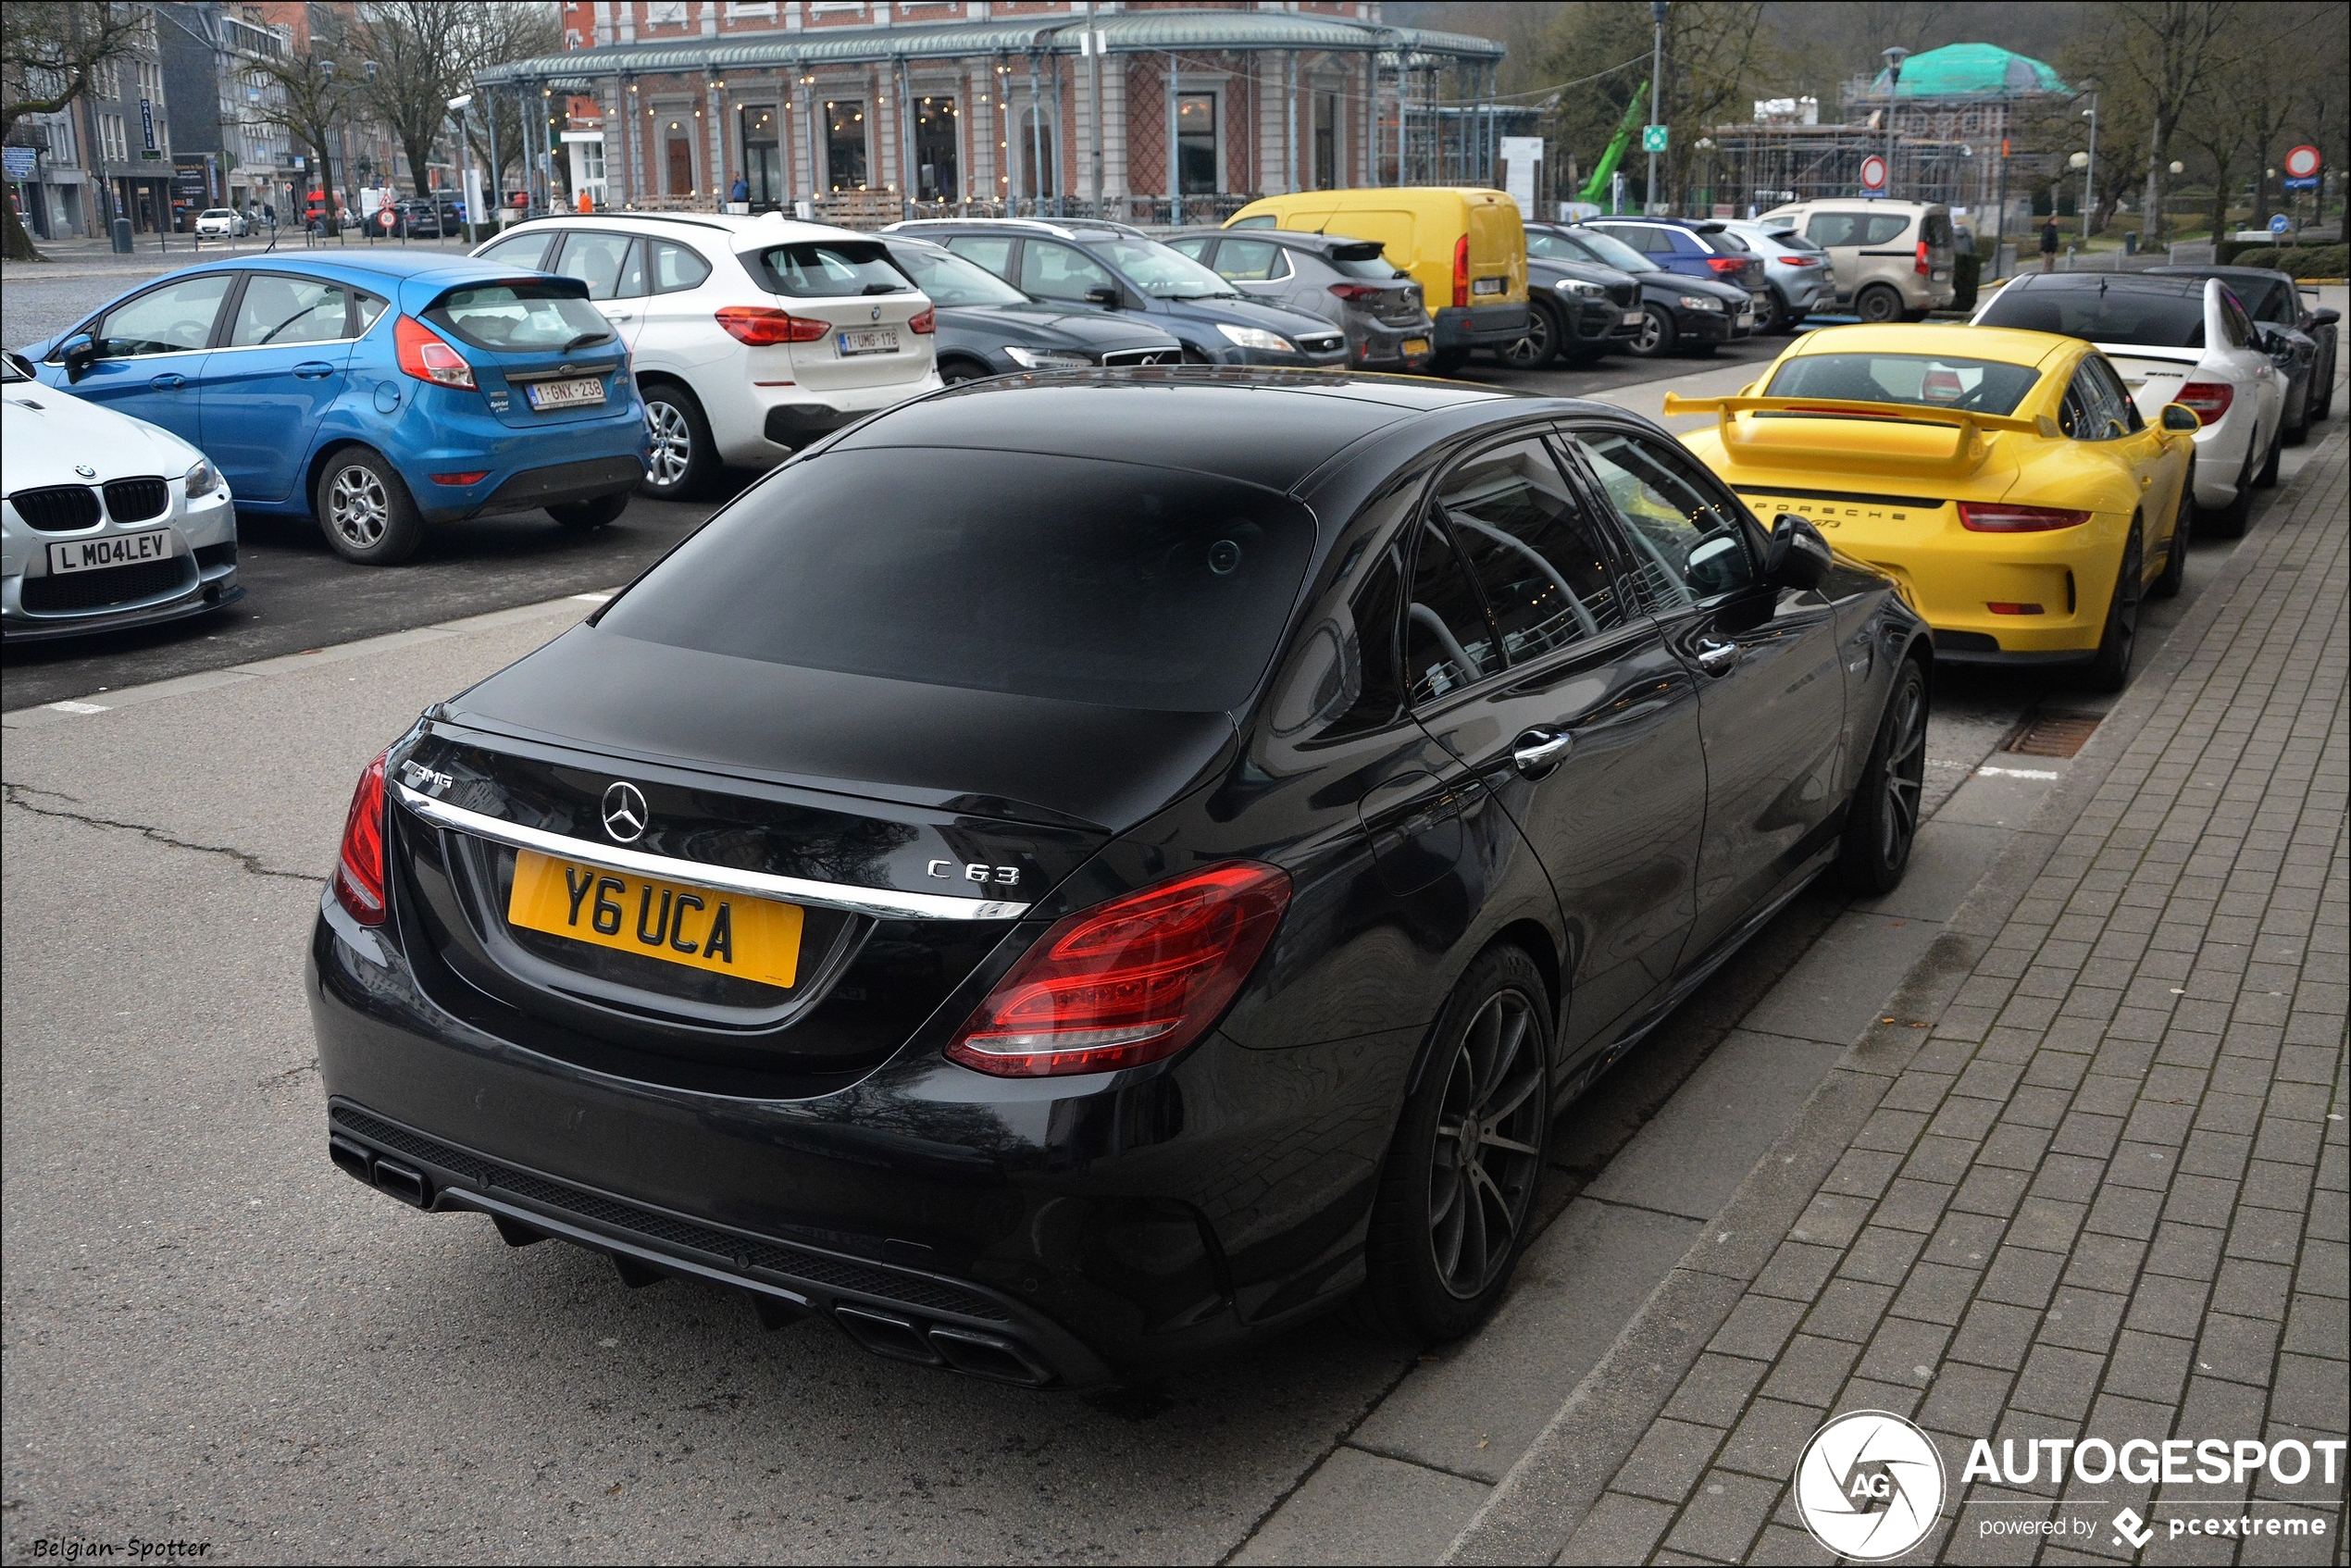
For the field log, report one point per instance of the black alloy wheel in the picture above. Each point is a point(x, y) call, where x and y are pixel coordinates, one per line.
point(1657, 336)
point(1878, 304)
point(1884, 819)
point(1459, 1183)
point(1544, 332)
point(586, 516)
point(2110, 670)
point(681, 459)
point(2175, 552)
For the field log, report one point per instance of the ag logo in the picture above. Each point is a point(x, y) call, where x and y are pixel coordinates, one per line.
point(1870, 1486)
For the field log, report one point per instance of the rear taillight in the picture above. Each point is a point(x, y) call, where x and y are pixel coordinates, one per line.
point(425, 356)
point(1356, 294)
point(1129, 981)
point(1921, 265)
point(1994, 518)
point(926, 322)
point(359, 869)
point(2209, 399)
point(1726, 266)
point(1461, 273)
point(763, 326)
point(1799, 261)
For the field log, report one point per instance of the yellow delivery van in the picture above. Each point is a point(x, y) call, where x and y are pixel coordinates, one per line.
point(1464, 245)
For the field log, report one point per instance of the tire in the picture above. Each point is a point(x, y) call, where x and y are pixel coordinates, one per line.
point(2229, 521)
point(1657, 337)
point(1883, 820)
point(682, 460)
point(2268, 478)
point(1544, 333)
point(1775, 315)
point(2110, 670)
point(365, 509)
point(2323, 388)
point(954, 372)
point(1448, 361)
point(2299, 431)
point(1878, 304)
point(2175, 554)
point(1437, 1267)
point(586, 516)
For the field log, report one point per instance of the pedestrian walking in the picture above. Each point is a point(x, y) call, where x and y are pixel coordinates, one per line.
point(739, 191)
point(2049, 245)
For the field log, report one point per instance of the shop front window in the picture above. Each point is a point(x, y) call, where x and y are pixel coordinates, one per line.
point(1196, 142)
point(677, 140)
point(763, 158)
point(935, 138)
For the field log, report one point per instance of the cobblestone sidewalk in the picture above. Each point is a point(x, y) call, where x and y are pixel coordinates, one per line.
point(2103, 1195)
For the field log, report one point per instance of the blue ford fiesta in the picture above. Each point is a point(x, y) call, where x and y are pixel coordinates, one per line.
point(376, 394)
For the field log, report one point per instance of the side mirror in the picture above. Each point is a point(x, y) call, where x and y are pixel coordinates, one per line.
point(79, 353)
point(2179, 417)
point(1798, 556)
point(2326, 317)
point(1108, 296)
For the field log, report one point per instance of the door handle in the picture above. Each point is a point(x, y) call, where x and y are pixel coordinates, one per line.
point(168, 383)
point(1539, 751)
point(620, 315)
point(312, 370)
point(1716, 658)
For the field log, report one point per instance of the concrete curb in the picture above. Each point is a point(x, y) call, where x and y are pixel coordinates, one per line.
point(1537, 1508)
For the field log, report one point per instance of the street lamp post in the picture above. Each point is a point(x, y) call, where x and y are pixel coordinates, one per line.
point(464, 155)
point(1895, 55)
point(2090, 170)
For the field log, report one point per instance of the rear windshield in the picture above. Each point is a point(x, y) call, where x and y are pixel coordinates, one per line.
point(827, 269)
point(1727, 243)
point(1982, 386)
point(1364, 261)
point(1938, 230)
point(2103, 315)
point(522, 317)
point(951, 280)
point(1044, 577)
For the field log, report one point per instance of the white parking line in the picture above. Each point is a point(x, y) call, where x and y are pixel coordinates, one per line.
point(78, 707)
point(2018, 772)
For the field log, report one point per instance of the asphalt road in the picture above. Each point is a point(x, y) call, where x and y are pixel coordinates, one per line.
point(299, 594)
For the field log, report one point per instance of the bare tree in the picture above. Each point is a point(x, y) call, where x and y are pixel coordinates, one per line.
point(316, 89)
point(487, 35)
point(414, 47)
point(48, 52)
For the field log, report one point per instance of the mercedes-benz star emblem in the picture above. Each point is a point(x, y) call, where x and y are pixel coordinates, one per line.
point(624, 813)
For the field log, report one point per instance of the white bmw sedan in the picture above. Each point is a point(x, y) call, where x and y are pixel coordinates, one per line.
point(108, 521)
point(2175, 340)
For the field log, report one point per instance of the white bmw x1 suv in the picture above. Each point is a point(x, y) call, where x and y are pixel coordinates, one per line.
point(750, 337)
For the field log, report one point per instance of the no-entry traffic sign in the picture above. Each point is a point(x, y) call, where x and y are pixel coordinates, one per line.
point(2302, 162)
point(1873, 173)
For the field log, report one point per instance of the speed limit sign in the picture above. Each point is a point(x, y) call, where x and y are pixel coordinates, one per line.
point(2302, 162)
point(385, 217)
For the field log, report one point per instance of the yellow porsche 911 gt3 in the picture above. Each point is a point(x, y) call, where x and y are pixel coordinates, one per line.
point(2005, 478)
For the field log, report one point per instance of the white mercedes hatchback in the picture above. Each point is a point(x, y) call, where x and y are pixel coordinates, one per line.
point(750, 337)
point(2175, 340)
point(108, 521)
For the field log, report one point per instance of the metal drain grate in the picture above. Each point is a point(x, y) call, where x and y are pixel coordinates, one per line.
point(2051, 735)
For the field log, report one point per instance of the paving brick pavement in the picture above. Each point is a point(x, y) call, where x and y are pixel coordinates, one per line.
point(2087, 1180)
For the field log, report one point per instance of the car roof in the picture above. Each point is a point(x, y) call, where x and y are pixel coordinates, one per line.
point(2129, 282)
point(2266, 274)
point(1072, 228)
point(1268, 428)
point(1318, 241)
point(2005, 345)
point(770, 228)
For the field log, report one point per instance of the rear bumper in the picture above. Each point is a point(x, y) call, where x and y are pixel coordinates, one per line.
point(563, 482)
point(439, 431)
point(1373, 344)
point(1484, 326)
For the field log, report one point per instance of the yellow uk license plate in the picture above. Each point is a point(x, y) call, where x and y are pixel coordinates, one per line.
point(751, 938)
point(1415, 345)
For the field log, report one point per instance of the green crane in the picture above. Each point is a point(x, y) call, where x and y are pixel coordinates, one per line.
point(1596, 187)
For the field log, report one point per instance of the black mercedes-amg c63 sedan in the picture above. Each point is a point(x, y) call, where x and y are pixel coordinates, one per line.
point(1078, 870)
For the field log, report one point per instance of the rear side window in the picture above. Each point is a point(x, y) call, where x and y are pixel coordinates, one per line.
point(1829, 229)
point(1533, 547)
point(278, 310)
point(676, 268)
point(1062, 577)
point(2103, 314)
point(366, 308)
point(523, 318)
point(526, 251)
point(1253, 261)
point(1448, 643)
point(990, 251)
point(1191, 245)
point(612, 266)
point(1063, 272)
point(1885, 227)
point(828, 269)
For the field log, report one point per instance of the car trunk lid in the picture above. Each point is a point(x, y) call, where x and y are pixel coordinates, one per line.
point(865, 304)
point(541, 354)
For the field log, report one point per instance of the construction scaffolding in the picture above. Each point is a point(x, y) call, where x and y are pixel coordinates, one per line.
point(1759, 166)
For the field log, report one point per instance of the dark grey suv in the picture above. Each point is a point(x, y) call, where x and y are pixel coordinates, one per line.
point(1113, 267)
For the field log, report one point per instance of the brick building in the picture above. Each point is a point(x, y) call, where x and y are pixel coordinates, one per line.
point(954, 106)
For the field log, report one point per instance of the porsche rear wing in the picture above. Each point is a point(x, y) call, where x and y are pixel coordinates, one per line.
point(1799, 444)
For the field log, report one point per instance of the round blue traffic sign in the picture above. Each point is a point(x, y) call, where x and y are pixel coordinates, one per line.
point(2280, 223)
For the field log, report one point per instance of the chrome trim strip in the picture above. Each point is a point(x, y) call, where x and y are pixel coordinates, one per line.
point(882, 903)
